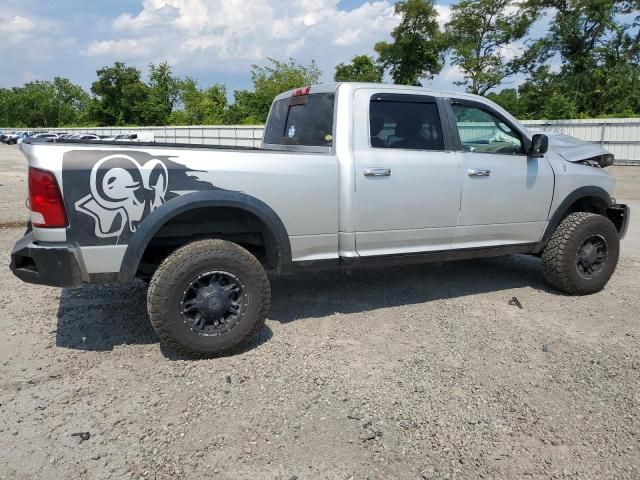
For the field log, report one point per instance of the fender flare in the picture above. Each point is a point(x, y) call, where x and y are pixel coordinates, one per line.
point(560, 212)
point(191, 201)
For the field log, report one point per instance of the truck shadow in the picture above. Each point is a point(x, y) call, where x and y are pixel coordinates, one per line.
point(321, 294)
point(102, 317)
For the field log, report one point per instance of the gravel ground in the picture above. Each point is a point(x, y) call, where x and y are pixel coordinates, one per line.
point(421, 372)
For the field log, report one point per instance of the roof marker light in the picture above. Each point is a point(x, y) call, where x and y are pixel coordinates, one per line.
point(299, 92)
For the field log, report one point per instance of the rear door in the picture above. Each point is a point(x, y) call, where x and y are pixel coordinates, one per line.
point(407, 184)
point(506, 195)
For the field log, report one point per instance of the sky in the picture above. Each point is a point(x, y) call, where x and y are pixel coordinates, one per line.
point(214, 41)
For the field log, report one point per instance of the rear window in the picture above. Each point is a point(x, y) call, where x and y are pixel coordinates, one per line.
point(303, 120)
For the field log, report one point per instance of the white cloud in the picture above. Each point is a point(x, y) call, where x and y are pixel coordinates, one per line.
point(452, 73)
point(444, 14)
point(38, 38)
point(129, 48)
point(15, 29)
point(228, 35)
point(513, 50)
point(16, 25)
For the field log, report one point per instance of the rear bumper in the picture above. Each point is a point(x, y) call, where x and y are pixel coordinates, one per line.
point(56, 265)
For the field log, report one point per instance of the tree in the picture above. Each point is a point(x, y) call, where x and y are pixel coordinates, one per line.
point(417, 49)
point(252, 107)
point(120, 93)
point(361, 69)
point(200, 107)
point(43, 104)
point(578, 28)
point(162, 94)
point(72, 102)
point(5, 108)
point(35, 104)
point(596, 42)
point(507, 99)
point(478, 34)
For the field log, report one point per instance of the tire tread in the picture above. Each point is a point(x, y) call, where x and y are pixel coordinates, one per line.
point(555, 261)
point(163, 278)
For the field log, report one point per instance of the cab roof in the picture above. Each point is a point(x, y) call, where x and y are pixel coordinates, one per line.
point(333, 86)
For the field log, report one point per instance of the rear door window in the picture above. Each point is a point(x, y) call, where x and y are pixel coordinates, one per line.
point(302, 120)
point(409, 122)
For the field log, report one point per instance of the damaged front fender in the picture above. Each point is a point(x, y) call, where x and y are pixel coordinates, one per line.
point(575, 150)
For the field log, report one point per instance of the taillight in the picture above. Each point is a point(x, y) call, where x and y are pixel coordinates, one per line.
point(45, 200)
point(302, 91)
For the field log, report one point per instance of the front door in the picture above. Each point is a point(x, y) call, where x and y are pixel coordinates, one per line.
point(506, 195)
point(407, 183)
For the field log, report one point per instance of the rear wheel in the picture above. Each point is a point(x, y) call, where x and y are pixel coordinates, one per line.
point(208, 298)
point(582, 254)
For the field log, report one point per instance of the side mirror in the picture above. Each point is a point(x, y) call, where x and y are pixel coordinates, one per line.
point(539, 145)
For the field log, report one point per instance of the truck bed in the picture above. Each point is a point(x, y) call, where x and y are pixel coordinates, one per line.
point(64, 141)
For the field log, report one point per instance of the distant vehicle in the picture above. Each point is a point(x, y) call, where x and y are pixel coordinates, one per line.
point(45, 135)
point(88, 136)
point(13, 138)
point(22, 136)
point(132, 137)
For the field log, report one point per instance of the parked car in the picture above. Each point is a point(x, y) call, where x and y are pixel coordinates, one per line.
point(44, 135)
point(13, 138)
point(132, 137)
point(348, 175)
point(20, 138)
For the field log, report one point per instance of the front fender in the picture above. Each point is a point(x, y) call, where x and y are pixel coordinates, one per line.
point(556, 217)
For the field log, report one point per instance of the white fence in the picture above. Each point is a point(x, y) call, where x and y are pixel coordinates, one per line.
point(621, 136)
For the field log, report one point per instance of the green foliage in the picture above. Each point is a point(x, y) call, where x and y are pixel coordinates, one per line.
point(163, 91)
point(361, 69)
point(507, 99)
point(416, 51)
point(200, 107)
point(579, 28)
point(120, 96)
point(478, 33)
point(599, 51)
point(43, 104)
point(252, 107)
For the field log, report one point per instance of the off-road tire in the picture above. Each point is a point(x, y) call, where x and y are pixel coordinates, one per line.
point(173, 276)
point(559, 258)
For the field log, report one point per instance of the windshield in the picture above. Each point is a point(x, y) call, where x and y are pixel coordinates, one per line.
point(301, 120)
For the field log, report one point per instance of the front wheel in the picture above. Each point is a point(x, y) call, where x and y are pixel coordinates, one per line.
point(208, 298)
point(582, 254)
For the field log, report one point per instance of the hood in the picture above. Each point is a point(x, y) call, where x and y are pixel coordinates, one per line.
point(575, 150)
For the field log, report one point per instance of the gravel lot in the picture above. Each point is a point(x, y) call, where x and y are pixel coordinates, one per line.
point(408, 373)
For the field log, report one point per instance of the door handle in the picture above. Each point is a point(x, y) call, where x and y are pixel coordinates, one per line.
point(479, 173)
point(377, 172)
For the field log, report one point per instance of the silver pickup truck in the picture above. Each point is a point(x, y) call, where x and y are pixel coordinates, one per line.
point(347, 175)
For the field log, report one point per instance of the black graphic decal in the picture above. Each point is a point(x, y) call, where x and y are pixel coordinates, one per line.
point(108, 194)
